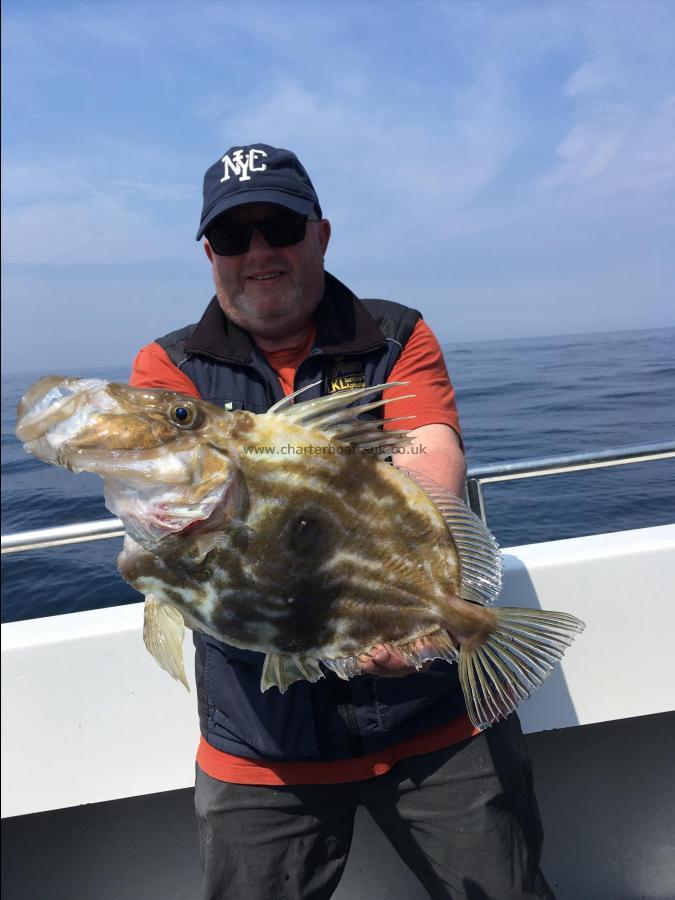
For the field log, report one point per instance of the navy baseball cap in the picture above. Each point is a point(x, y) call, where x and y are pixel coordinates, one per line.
point(257, 173)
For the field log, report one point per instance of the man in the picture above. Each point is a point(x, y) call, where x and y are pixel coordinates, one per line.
point(279, 777)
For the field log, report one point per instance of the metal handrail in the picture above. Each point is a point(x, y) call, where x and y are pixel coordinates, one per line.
point(77, 533)
point(477, 476)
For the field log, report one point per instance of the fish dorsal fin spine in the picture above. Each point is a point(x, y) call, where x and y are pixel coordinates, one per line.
point(479, 557)
point(335, 417)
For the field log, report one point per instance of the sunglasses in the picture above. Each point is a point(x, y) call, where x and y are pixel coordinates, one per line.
point(233, 238)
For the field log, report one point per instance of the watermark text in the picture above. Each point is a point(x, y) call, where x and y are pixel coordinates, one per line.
point(328, 450)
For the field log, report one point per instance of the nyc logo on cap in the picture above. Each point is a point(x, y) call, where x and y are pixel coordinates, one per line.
point(240, 163)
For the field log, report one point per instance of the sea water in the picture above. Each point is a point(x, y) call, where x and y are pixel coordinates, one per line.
point(518, 399)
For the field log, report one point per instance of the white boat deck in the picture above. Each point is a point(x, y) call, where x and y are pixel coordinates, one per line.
point(95, 809)
point(86, 680)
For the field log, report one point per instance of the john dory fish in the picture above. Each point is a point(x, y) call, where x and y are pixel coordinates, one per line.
point(289, 534)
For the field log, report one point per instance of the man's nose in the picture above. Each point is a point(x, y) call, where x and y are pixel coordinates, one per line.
point(258, 241)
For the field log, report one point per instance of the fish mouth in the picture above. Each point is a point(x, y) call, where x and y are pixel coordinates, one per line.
point(160, 479)
point(155, 514)
point(50, 404)
point(151, 523)
point(181, 523)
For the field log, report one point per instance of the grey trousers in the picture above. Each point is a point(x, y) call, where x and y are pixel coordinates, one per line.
point(464, 819)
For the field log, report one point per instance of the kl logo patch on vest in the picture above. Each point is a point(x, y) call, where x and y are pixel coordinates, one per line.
point(346, 374)
point(241, 164)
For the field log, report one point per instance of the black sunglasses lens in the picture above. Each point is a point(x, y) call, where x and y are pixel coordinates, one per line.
point(234, 238)
point(230, 239)
point(283, 232)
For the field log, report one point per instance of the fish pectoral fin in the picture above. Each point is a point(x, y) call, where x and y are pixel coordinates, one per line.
point(516, 658)
point(203, 544)
point(282, 669)
point(163, 631)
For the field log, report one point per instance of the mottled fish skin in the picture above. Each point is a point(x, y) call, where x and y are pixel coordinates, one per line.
point(326, 553)
point(338, 552)
point(278, 533)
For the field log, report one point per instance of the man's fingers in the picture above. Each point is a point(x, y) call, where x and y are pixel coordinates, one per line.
point(387, 662)
point(382, 656)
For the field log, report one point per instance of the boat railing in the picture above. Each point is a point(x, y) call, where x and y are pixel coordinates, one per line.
point(477, 476)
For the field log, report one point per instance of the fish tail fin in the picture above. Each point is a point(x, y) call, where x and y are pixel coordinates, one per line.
point(163, 631)
point(282, 669)
point(516, 657)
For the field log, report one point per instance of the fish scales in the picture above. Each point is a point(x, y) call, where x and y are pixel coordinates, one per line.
point(333, 498)
point(289, 534)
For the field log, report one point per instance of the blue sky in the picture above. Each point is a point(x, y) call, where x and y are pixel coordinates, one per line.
point(506, 168)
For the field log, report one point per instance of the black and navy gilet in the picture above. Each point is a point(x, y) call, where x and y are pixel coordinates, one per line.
point(357, 342)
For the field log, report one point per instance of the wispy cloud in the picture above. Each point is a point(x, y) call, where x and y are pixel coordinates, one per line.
point(618, 150)
point(622, 135)
point(366, 141)
point(88, 208)
point(493, 143)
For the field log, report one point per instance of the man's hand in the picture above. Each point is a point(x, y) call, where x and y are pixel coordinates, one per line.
point(387, 662)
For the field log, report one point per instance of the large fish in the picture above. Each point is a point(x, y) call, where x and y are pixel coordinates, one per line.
point(289, 533)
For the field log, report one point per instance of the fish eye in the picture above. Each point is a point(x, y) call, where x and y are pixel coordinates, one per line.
point(184, 414)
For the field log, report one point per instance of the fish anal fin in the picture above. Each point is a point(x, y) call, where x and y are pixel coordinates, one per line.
point(437, 645)
point(415, 652)
point(518, 656)
point(282, 669)
point(163, 631)
point(345, 667)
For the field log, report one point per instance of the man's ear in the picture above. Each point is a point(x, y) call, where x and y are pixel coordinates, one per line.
point(208, 250)
point(324, 234)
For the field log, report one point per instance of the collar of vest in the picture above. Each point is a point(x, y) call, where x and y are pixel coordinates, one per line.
point(343, 326)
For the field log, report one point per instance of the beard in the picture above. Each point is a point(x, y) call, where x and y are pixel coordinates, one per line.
point(276, 311)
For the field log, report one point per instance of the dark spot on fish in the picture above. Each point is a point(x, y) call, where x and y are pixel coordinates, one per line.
point(305, 535)
point(310, 620)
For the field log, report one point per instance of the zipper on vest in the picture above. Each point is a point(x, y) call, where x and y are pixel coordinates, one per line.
point(270, 397)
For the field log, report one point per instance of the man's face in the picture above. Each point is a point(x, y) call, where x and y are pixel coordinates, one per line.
point(271, 292)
